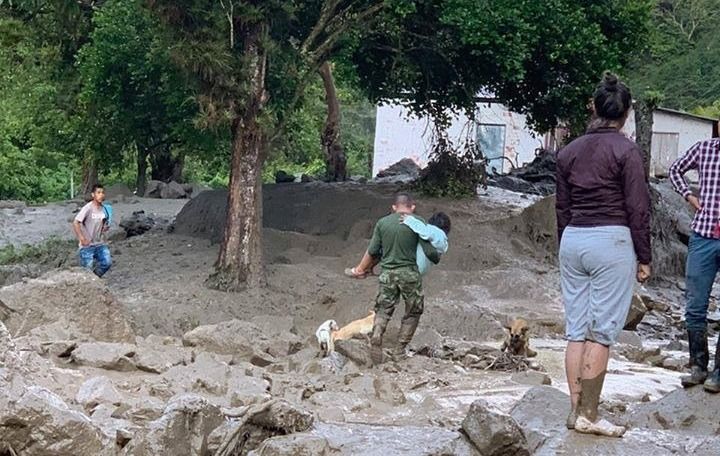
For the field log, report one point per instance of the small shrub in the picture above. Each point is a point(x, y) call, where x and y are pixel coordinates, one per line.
point(453, 172)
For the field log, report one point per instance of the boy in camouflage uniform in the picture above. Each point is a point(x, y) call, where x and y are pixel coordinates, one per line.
point(397, 244)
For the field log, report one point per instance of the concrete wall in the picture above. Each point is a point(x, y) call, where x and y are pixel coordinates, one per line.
point(399, 135)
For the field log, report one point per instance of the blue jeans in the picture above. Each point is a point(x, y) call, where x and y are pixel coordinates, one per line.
point(95, 258)
point(702, 266)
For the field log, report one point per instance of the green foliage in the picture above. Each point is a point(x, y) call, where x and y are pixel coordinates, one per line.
point(133, 97)
point(299, 150)
point(452, 172)
point(36, 141)
point(683, 61)
point(712, 111)
point(540, 58)
point(53, 252)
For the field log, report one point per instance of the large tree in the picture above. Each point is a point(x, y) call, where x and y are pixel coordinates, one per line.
point(540, 58)
point(682, 63)
point(253, 61)
point(134, 99)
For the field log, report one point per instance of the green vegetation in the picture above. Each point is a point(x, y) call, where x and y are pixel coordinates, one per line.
point(54, 252)
point(228, 92)
point(682, 61)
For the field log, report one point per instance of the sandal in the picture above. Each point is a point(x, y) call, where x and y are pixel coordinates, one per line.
point(353, 274)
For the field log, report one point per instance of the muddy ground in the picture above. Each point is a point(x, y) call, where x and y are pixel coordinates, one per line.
point(501, 264)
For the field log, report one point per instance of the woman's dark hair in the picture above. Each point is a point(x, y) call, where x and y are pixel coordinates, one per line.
point(612, 98)
point(441, 220)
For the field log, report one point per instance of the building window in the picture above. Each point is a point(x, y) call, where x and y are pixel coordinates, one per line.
point(491, 140)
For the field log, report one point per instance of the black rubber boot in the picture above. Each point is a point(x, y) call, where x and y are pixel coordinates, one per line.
point(407, 331)
point(712, 384)
point(699, 357)
point(379, 327)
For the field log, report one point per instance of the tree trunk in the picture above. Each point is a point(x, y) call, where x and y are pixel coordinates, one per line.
point(240, 263)
point(90, 175)
point(643, 131)
point(142, 165)
point(336, 162)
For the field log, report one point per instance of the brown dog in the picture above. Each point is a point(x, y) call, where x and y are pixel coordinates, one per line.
point(517, 340)
point(361, 327)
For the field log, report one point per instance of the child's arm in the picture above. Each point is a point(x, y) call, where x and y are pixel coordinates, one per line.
point(427, 233)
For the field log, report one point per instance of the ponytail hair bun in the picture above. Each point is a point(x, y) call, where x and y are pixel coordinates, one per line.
point(612, 98)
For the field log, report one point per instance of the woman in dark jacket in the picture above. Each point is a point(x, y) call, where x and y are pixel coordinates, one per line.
point(603, 215)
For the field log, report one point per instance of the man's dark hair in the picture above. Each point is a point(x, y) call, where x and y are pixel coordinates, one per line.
point(440, 220)
point(97, 186)
point(404, 199)
point(612, 98)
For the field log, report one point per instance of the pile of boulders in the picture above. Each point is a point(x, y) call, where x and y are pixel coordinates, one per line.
point(537, 177)
point(172, 190)
point(203, 394)
point(404, 171)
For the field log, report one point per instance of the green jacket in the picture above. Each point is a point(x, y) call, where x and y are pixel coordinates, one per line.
point(397, 244)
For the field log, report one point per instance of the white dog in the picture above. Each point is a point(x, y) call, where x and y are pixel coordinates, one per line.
point(324, 336)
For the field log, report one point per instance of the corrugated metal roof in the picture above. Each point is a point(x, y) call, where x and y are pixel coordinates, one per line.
point(686, 114)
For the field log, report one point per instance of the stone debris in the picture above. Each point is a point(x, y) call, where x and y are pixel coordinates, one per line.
point(183, 429)
point(75, 297)
point(38, 422)
point(636, 314)
point(96, 391)
point(494, 433)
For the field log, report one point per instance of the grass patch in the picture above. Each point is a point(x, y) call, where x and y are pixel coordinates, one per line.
point(54, 252)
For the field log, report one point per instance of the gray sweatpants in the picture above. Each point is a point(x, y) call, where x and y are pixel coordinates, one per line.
point(597, 272)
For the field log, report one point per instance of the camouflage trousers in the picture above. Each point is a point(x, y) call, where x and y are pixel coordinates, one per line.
point(396, 283)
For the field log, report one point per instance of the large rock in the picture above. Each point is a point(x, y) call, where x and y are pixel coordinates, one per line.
point(406, 170)
point(75, 297)
point(105, 355)
point(136, 224)
point(258, 423)
point(368, 440)
point(117, 191)
point(226, 384)
point(494, 433)
point(183, 429)
point(160, 358)
point(243, 340)
point(173, 190)
point(193, 190)
point(39, 423)
point(636, 314)
point(96, 391)
point(355, 350)
point(14, 273)
point(690, 411)
point(541, 414)
point(294, 445)
point(154, 188)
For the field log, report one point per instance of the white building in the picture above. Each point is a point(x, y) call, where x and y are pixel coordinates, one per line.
point(674, 132)
point(508, 142)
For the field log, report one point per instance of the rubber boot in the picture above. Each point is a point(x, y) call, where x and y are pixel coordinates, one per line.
point(379, 327)
point(699, 357)
point(407, 331)
point(712, 384)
